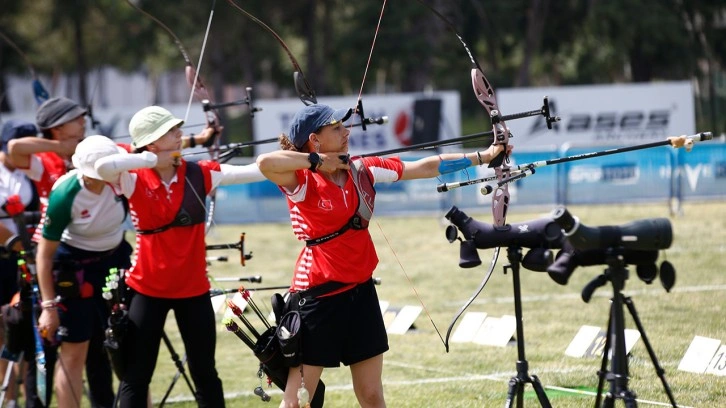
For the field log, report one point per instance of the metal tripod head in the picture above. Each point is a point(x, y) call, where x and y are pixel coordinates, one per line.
point(616, 272)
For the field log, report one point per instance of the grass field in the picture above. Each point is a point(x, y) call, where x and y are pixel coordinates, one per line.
point(417, 370)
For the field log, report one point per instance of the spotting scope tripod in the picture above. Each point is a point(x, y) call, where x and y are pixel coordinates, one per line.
point(618, 375)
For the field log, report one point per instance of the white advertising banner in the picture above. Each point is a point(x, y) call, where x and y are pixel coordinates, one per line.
point(412, 118)
point(114, 123)
point(621, 114)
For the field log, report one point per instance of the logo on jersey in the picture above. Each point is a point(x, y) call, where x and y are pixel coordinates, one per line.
point(325, 205)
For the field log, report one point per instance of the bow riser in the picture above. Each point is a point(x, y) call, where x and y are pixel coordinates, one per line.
point(199, 91)
point(500, 199)
point(485, 95)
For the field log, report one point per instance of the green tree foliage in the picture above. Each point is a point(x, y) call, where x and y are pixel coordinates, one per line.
point(518, 42)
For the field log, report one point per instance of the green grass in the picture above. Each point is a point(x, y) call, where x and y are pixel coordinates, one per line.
point(417, 370)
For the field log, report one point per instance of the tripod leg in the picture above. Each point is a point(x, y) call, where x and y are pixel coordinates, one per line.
point(603, 366)
point(541, 394)
point(517, 383)
point(629, 400)
point(10, 375)
point(175, 379)
point(513, 392)
point(520, 394)
point(179, 367)
point(658, 369)
point(171, 386)
point(6, 382)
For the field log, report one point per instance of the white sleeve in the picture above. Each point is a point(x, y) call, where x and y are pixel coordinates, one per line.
point(110, 167)
point(36, 169)
point(232, 174)
point(126, 184)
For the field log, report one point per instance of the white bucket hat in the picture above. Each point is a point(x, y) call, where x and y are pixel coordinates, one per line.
point(89, 150)
point(151, 123)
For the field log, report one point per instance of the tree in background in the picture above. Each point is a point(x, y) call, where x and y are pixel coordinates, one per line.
point(518, 42)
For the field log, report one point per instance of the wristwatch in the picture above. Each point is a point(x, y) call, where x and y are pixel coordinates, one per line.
point(315, 161)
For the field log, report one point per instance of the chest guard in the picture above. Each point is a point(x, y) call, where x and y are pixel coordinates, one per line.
point(366, 201)
point(193, 209)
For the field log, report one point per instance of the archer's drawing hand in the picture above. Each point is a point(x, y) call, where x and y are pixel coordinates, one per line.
point(333, 161)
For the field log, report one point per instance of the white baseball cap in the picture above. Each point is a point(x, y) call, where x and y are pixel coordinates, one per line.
point(91, 149)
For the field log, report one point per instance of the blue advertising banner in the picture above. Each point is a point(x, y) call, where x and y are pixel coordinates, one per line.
point(648, 175)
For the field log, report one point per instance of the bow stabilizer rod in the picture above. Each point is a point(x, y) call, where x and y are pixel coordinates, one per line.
point(207, 105)
point(238, 245)
point(523, 170)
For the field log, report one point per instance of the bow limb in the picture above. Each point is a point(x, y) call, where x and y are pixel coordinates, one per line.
point(472, 297)
point(39, 91)
point(302, 86)
point(484, 93)
point(201, 93)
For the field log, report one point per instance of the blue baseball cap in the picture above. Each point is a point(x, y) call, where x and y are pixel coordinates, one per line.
point(313, 117)
point(15, 129)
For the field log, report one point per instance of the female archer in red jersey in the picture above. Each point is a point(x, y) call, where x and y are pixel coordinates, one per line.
point(330, 201)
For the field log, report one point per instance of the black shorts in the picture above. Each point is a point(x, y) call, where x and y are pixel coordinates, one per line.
point(79, 317)
point(343, 328)
point(8, 276)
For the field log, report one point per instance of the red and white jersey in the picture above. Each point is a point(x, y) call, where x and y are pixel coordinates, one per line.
point(82, 218)
point(319, 207)
point(171, 263)
point(45, 169)
point(13, 183)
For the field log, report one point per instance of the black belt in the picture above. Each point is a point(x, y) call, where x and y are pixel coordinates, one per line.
point(97, 256)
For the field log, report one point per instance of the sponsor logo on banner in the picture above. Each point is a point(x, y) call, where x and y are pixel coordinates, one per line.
point(400, 131)
point(620, 114)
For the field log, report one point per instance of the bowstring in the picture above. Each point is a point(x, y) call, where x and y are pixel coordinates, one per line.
point(395, 255)
point(199, 63)
point(186, 115)
point(370, 54)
